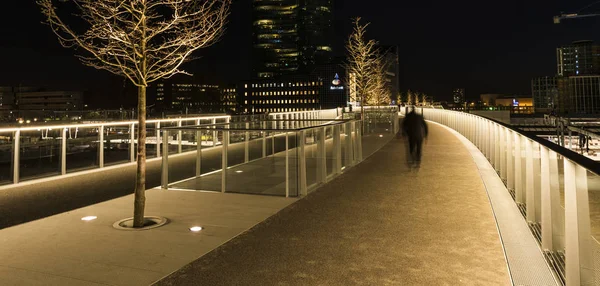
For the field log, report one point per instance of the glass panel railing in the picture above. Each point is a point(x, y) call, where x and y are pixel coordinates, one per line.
point(40, 154)
point(6, 157)
point(82, 149)
point(117, 144)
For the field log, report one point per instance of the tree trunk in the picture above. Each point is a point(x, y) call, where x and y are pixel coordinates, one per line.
point(140, 179)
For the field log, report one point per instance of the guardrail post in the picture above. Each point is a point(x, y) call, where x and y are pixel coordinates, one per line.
point(359, 142)
point(101, 146)
point(63, 152)
point(215, 137)
point(529, 182)
point(578, 245)
point(158, 139)
point(503, 150)
point(164, 178)
point(337, 150)
point(321, 155)
point(510, 165)
point(264, 143)
point(349, 147)
point(179, 135)
point(247, 144)
point(224, 154)
point(132, 150)
point(16, 155)
point(519, 192)
point(287, 164)
point(302, 162)
point(198, 152)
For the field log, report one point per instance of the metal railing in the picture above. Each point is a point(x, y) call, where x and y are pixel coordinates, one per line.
point(288, 155)
point(530, 167)
point(35, 152)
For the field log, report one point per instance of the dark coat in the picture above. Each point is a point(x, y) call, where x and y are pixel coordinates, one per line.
point(414, 126)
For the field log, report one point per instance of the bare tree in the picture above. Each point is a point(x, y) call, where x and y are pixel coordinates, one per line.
point(403, 96)
point(424, 98)
point(141, 40)
point(379, 92)
point(410, 97)
point(362, 56)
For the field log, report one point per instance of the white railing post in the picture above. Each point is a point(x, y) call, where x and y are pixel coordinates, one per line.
point(225, 147)
point(529, 182)
point(510, 165)
point(247, 144)
point(198, 153)
point(518, 179)
point(337, 150)
point(302, 162)
point(132, 150)
point(349, 148)
point(287, 164)
point(215, 134)
point(158, 139)
point(63, 152)
point(101, 146)
point(164, 179)
point(359, 142)
point(579, 262)
point(179, 135)
point(16, 155)
point(321, 156)
point(503, 151)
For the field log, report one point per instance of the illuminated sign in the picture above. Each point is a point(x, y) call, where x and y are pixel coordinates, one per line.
point(336, 83)
point(515, 102)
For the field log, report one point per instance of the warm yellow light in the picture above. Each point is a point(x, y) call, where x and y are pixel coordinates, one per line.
point(88, 218)
point(196, 228)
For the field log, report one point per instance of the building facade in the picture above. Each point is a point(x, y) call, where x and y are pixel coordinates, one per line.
point(458, 94)
point(326, 87)
point(544, 91)
point(581, 94)
point(391, 57)
point(578, 58)
point(291, 36)
point(194, 97)
point(49, 100)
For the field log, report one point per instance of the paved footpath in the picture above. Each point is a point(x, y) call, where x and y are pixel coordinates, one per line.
point(380, 223)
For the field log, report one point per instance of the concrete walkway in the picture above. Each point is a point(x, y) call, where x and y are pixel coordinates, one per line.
point(377, 224)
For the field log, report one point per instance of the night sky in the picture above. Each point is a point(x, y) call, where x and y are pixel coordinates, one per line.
point(483, 46)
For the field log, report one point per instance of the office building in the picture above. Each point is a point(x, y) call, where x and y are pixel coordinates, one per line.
point(49, 100)
point(581, 94)
point(189, 97)
point(326, 87)
point(291, 36)
point(458, 95)
point(393, 69)
point(578, 58)
point(544, 91)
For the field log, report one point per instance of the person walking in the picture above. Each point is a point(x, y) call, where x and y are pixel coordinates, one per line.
point(415, 128)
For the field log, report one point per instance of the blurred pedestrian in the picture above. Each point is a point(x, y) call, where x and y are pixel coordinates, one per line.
point(415, 128)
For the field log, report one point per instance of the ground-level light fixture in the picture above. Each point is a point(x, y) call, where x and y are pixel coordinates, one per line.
point(239, 171)
point(88, 218)
point(196, 228)
point(380, 135)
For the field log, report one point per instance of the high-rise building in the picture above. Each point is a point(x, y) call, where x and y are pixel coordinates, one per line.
point(393, 69)
point(459, 95)
point(291, 35)
point(193, 97)
point(578, 58)
point(544, 91)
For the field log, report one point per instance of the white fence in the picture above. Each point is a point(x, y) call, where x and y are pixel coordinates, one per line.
point(60, 146)
point(530, 167)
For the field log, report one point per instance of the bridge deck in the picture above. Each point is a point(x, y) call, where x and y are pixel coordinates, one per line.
point(380, 223)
